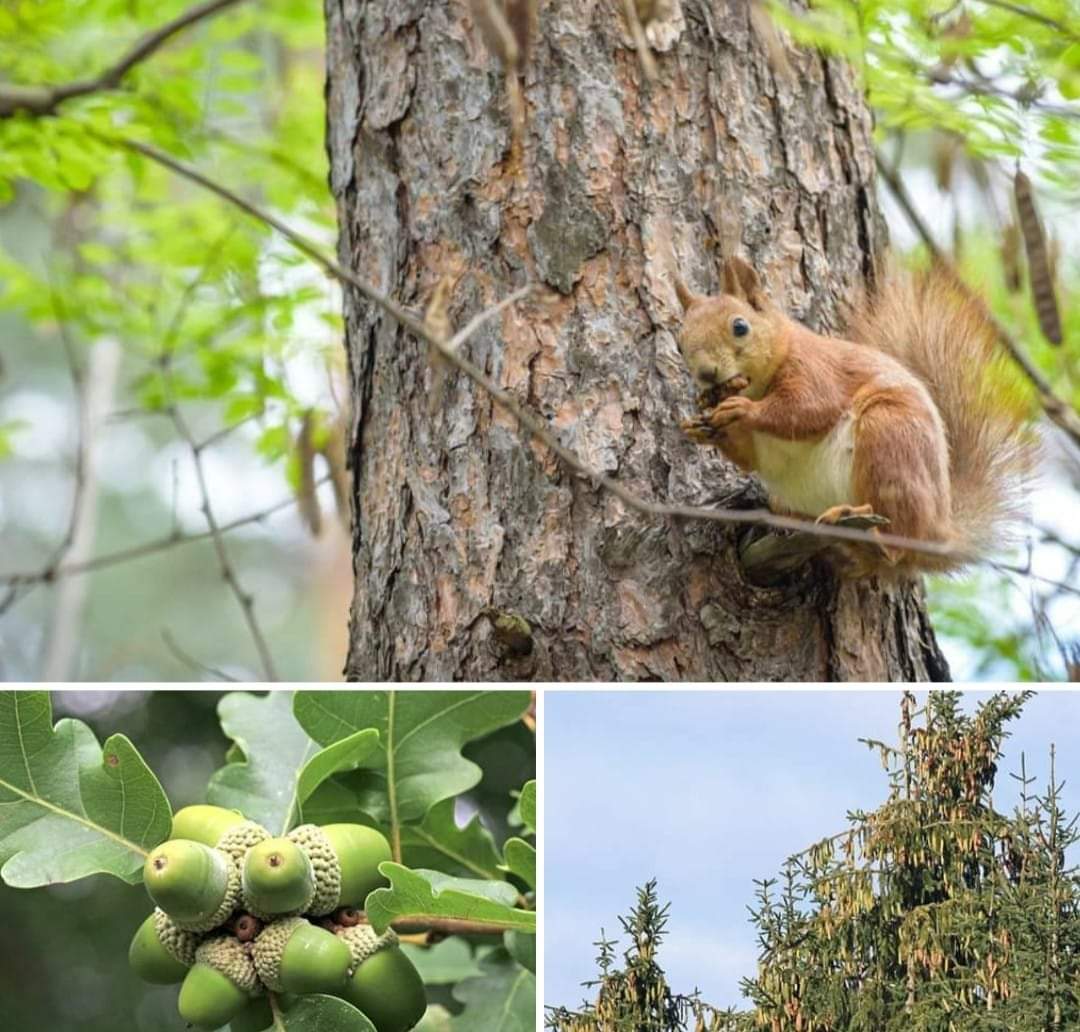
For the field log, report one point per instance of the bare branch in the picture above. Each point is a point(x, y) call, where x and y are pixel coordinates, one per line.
point(1056, 408)
point(190, 661)
point(1036, 16)
point(532, 423)
point(228, 571)
point(50, 573)
point(44, 100)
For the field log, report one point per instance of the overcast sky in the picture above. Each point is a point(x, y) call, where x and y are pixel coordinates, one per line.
point(706, 791)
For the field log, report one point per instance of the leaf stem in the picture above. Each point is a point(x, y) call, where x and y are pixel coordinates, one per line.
point(391, 785)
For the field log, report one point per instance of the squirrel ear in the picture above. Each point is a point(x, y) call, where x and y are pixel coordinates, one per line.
point(740, 280)
point(685, 295)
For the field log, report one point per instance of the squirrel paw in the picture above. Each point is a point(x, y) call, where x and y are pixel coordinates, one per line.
point(700, 431)
point(729, 411)
point(843, 512)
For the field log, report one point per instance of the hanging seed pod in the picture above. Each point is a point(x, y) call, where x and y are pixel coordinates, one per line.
point(1010, 258)
point(1042, 280)
point(307, 497)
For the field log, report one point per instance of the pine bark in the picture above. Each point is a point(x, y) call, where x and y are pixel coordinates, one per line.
point(476, 555)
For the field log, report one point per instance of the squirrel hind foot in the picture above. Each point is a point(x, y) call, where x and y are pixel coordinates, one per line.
point(838, 513)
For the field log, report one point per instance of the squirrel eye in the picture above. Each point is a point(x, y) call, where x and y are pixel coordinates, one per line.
point(739, 326)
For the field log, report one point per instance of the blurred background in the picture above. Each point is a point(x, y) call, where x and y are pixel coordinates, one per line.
point(161, 354)
point(66, 965)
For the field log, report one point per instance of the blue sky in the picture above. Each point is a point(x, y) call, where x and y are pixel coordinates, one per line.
point(706, 791)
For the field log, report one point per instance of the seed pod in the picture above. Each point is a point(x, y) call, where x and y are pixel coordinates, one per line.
point(198, 887)
point(203, 823)
point(292, 955)
point(345, 859)
point(1042, 280)
point(387, 988)
point(277, 879)
point(360, 850)
point(152, 960)
point(220, 984)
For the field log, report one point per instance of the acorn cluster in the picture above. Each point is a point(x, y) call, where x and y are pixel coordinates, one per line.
point(239, 912)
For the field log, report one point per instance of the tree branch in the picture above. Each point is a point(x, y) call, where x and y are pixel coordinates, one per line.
point(1059, 411)
point(534, 424)
point(44, 100)
point(228, 571)
point(1036, 16)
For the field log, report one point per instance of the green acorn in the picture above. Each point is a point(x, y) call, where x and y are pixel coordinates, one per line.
point(291, 955)
point(220, 984)
point(255, 1017)
point(387, 988)
point(198, 887)
point(240, 838)
point(203, 823)
point(158, 961)
point(345, 859)
point(277, 879)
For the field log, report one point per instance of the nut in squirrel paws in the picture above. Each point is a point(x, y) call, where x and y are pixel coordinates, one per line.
point(700, 431)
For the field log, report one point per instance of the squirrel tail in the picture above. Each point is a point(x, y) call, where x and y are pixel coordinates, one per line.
point(942, 333)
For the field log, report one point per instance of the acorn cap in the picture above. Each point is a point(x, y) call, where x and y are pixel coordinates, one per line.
point(240, 838)
point(204, 823)
point(198, 887)
point(150, 960)
point(324, 865)
point(389, 990)
point(359, 850)
point(292, 955)
point(277, 879)
point(208, 999)
point(232, 958)
point(181, 944)
point(364, 942)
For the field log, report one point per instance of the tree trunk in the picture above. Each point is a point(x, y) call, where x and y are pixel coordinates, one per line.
point(477, 555)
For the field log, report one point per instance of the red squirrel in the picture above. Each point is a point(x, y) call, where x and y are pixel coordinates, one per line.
point(908, 420)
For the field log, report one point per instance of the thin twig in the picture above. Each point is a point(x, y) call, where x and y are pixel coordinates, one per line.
point(43, 100)
point(50, 573)
point(940, 77)
point(534, 424)
point(1056, 408)
point(1036, 16)
point(228, 571)
point(444, 926)
point(190, 661)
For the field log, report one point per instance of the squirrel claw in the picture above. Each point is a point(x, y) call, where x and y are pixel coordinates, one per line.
point(838, 513)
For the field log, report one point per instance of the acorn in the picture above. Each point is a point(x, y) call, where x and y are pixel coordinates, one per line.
point(255, 1017)
point(345, 859)
point(220, 984)
point(162, 958)
point(204, 823)
point(291, 955)
point(385, 985)
point(239, 838)
point(278, 879)
point(198, 887)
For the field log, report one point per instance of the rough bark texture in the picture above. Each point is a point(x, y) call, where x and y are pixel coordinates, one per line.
point(460, 527)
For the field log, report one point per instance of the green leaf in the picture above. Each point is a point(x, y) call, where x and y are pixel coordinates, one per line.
point(317, 1013)
point(280, 767)
point(422, 734)
point(426, 895)
point(502, 999)
point(470, 849)
point(527, 805)
point(522, 948)
point(521, 860)
point(446, 963)
point(69, 809)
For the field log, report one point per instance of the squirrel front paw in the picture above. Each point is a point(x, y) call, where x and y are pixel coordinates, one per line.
point(700, 431)
point(731, 410)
